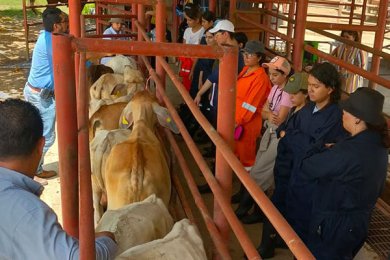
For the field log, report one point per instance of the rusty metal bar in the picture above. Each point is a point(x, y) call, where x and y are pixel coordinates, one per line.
point(299, 33)
point(213, 6)
point(225, 126)
point(353, 43)
point(290, 29)
point(215, 235)
point(333, 26)
point(354, 69)
point(141, 19)
point(141, 2)
point(126, 14)
point(161, 25)
point(86, 220)
point(26, 30)
point(263, 27)
point(95, 36)
point(99, 11)
point(134, 14)
point(64, 82)
point(232, 10)
point(379, 37)
point(146, 48)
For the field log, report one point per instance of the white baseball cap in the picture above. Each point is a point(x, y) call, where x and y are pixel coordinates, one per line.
point(223, 25)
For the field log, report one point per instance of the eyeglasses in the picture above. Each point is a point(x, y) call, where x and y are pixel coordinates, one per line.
point(249, 55)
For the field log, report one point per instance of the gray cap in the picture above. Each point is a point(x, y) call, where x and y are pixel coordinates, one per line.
point(116, 20)
point(254, 47)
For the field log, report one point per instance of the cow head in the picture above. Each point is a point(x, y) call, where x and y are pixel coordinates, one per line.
point(144, 106)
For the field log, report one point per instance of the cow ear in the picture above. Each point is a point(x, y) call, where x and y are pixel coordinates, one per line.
point(164, 118)
point(126, 118)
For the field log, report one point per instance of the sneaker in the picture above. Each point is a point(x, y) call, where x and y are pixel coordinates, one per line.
point(41, 181)
point(47, 174)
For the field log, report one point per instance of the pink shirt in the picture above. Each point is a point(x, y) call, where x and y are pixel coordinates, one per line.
point(278, 98)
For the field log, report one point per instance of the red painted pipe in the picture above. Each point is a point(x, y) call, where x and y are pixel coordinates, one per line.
point(64, 82)
point(146, 48)
point(161, 25)
point(87, 231)
point(299, 33)
point(379, 38)
point(226, 121)
point(86, 222)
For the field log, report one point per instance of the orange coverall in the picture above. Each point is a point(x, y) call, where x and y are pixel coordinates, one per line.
point(252, 92)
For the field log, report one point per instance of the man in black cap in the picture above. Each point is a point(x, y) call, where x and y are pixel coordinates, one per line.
point(348, 179)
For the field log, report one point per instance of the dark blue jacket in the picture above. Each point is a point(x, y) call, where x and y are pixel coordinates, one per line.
point(283, 163)
point(310, 133)
point(346, 180)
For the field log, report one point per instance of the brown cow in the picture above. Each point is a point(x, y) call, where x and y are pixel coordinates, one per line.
point(137, 167)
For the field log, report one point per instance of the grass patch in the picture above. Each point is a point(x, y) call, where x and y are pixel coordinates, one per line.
point(18, 13)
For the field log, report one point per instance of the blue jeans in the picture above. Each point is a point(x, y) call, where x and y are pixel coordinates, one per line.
point(47, 109)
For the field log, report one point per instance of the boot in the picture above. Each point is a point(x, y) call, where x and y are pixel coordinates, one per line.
point(237, 197)
point(245, 205)
point(266, 248)
point(257, 216)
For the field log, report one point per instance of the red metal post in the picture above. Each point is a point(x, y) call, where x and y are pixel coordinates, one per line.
point(64, 82)
point(175, 22)
point(87, 232)
point(226, 111)
point(98, 11)
point(141, 19)
point(133, 12)
point(379, 37)
point(213, 5)
point(299, 35)
point(86, 223)
point(74, 29)
point(161, 24)
point(290, 26)
point(232, 10)
point(26, 30)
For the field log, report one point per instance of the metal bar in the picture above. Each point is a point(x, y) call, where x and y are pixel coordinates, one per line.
point(87, 232)
point(95, 36)
point(99, 11)
point(161, 27)
point(213, 6)
point(146, 48)
point(290, 29)
point(86, 221)
point(334, 26)
point(299, 33)
point(141, 19)
point(126, 14)
point(354, 69)
point(215, 235)
point(64, 82)
point(232, 10)
point(353, 43)
point(141, 2)
point(379, 37)
point(225, 126)
point(264, 28)
point(134, 14)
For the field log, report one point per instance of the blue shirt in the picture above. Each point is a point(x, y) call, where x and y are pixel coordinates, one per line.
point(41, 72)
point(29, 228)
point(214, 77)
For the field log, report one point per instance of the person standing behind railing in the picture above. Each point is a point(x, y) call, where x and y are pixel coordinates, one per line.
point(116, 25)
point(253, 87)
point(348, 178)
point(350, 81)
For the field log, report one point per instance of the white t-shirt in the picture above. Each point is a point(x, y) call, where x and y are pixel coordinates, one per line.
point(191, 37)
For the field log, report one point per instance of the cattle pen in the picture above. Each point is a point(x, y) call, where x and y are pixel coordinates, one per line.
point(261, 20)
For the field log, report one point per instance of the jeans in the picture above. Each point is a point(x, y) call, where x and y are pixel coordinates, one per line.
point(47, 109)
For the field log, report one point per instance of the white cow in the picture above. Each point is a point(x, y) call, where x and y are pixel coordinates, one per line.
point(183, 242)
point(137, 223)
